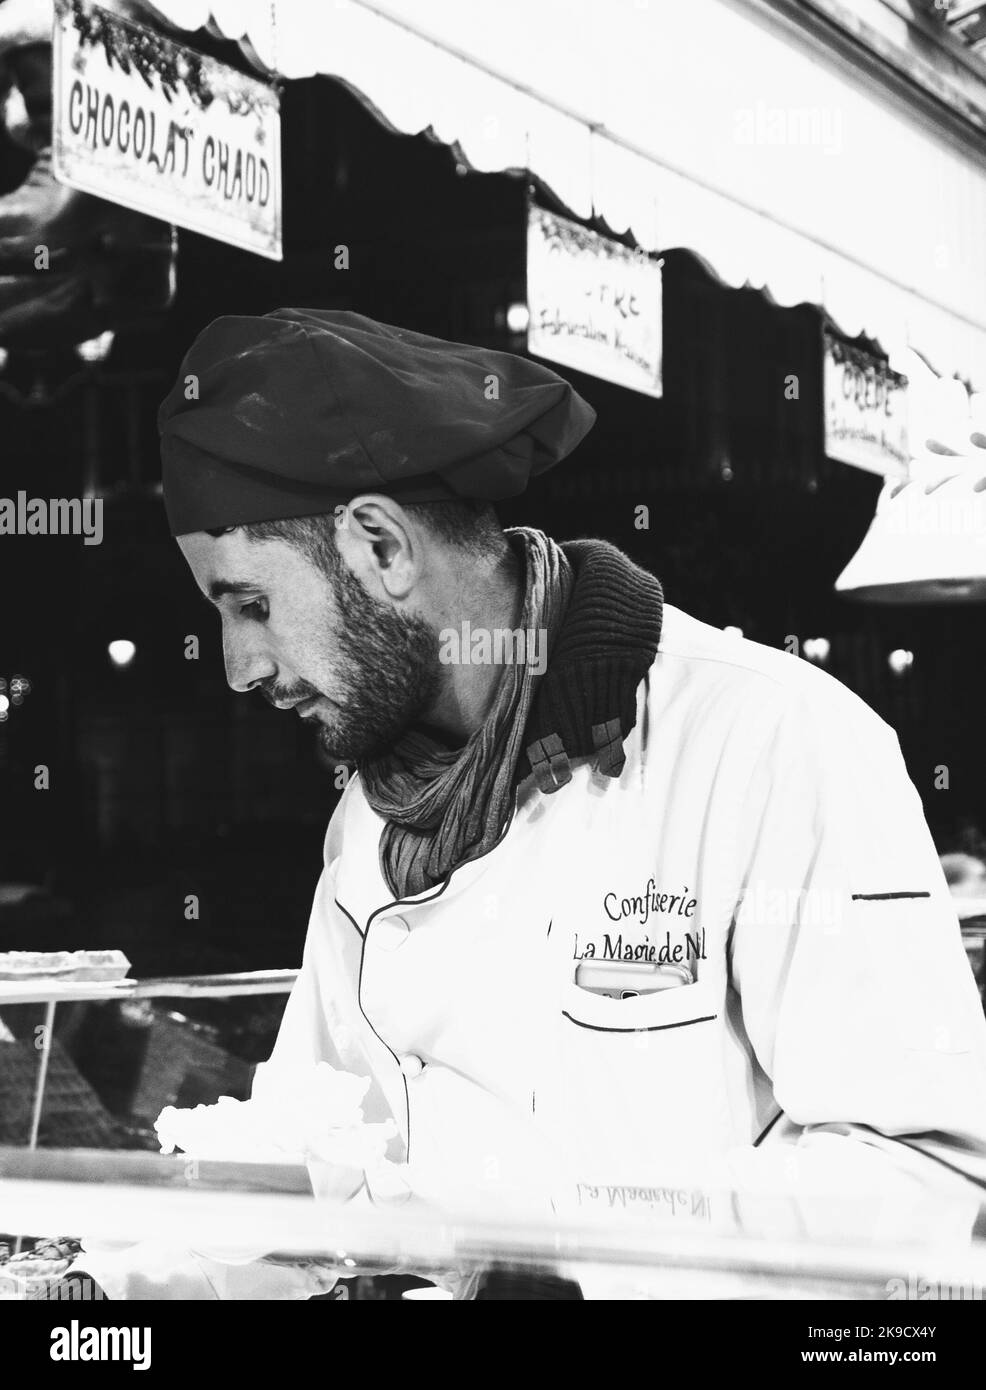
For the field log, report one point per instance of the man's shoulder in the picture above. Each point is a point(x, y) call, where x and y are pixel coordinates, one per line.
point(724, 669)
point(699, 651)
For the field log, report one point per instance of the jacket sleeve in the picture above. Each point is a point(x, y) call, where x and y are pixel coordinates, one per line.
point(304, 1037)
point(855, 991)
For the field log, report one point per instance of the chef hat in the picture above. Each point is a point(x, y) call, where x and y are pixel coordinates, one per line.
point(294, 412)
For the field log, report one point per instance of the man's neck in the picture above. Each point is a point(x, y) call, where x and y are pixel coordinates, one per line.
point(470, 686)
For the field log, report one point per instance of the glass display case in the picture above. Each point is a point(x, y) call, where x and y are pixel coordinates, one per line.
point(152, 1225)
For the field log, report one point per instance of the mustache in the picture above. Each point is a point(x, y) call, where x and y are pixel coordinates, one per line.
point(286, 694)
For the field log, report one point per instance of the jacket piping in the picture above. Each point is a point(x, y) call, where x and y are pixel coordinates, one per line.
point(654, 1028)
point(767, 1128)
point(885, 897)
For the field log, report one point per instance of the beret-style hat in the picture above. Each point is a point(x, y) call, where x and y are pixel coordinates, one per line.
point(294, 412)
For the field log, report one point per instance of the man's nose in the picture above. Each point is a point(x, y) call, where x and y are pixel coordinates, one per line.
point(246, 665)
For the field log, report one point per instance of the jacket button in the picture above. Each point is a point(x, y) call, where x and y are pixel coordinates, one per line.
point(411, 1066)
point(389, 933)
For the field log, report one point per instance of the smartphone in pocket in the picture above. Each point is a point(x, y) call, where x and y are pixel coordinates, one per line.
point(626, 979)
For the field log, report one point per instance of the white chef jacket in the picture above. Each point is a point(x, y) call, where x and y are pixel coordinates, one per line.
point(764, 833)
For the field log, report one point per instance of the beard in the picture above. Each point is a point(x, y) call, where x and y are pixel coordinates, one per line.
point(389, 674)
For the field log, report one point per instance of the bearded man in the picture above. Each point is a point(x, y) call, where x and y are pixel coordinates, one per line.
point(665, 904)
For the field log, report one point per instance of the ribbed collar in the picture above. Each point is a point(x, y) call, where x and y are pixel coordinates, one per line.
point(608, 640)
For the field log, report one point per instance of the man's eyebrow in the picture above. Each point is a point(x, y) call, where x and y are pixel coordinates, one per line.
point(219, 587)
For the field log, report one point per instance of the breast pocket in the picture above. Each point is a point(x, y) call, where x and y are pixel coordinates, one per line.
point(639, 1088)
point(679, 1007)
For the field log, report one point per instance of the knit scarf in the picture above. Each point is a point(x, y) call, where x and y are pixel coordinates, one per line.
point(602, 618)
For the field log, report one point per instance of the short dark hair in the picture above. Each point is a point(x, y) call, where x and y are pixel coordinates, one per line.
point(465, 523)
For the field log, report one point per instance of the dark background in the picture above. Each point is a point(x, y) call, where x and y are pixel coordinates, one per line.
point(164, 784)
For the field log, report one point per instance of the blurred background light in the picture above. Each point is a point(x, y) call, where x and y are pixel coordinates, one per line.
point(122, 651)
point(518, 317)
point(96, 349)
point(900, 660)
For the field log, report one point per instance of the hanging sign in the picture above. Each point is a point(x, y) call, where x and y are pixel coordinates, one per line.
point(594, 305)
point(156, 127)
point(865, 410)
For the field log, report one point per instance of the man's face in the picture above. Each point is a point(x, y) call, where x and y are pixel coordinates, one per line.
point(359, 669)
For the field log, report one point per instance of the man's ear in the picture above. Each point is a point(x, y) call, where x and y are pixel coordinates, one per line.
point(380, 529)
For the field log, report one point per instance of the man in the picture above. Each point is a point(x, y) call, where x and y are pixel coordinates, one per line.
point(663, 903)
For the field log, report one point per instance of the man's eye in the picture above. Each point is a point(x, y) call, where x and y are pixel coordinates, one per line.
point(257, 609)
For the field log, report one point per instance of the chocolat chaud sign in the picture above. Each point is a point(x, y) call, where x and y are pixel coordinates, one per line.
point(151, 125)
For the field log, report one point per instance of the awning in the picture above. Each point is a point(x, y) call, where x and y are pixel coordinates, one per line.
point(706, 125)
